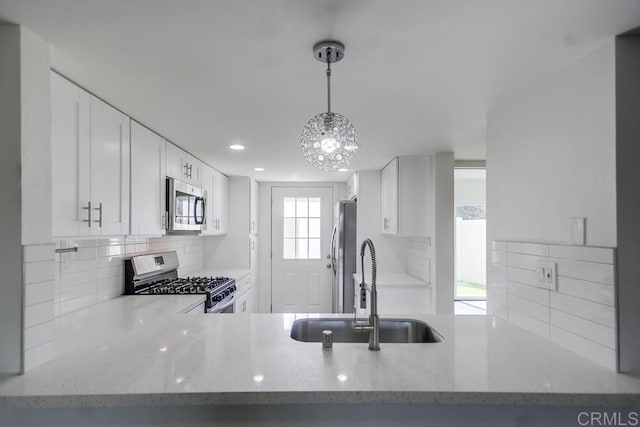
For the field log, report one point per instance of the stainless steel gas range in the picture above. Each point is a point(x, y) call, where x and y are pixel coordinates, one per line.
point(157, 274)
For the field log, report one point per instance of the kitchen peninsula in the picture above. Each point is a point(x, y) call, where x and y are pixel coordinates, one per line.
point(145, 351)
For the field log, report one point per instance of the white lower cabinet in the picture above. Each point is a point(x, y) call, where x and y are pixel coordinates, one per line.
point(90, 163)
point(245, 296)
point(148, 182)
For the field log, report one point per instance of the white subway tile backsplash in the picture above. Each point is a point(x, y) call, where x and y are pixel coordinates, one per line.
point(73, 292)
point(526, 262)
point(37, 314)
point(498, 270)
point(593, 272)
point(526, 277)
point(499, 246)
point(528, 248)
point(599, 313)
point(74, 279)
point(35, 253)
point(497, 296)
point(529, 323)
point(601, 334)
point(582, 253)
point(96, 272)
point(537, 311)
point(498, 257)
point(596, 292)
point(66, 266)
point(38, 334)
point(38, 293)
point(531, 293)
point(580, 315)
point(77, 303)
point(605, 356)
point(498, 283)
point(42, 271)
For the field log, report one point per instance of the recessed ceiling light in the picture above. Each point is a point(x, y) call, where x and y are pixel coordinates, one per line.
point(237, 147)
point(258, 169)
point(343, 170)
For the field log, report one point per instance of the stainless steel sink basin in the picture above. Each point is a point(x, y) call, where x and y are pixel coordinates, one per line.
point(391, 331)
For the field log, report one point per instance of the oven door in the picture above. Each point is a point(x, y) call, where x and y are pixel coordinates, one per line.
point(187, 207)
point(224, 306)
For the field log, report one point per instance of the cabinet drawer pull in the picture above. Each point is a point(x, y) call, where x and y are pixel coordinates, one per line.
point(99, 209)
point(88, 209)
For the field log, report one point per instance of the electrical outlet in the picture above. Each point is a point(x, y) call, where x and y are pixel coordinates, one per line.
point(546, 275)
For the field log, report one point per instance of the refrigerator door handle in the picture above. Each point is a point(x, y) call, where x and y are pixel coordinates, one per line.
point(333, 249)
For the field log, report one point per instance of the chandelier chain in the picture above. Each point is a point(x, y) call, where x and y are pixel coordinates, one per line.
point(328, 80)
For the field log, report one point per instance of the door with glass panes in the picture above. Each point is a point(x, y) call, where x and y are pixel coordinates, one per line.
point(300, 244)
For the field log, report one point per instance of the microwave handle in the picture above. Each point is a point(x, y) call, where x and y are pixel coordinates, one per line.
point(195, 210)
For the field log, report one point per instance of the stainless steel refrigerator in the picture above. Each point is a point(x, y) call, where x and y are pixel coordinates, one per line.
point(343, 255)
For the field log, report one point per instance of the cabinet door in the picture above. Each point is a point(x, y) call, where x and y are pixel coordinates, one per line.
point(389, 198)
point(109, 169)
point(193, 168)
point(209, 226)
point(148, 182)
point(253, 254)
point(253, 207)
point(174, 159)
point(221, 201)
point(71, 157)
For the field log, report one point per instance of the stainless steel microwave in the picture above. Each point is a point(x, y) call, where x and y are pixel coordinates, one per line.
point(186, 207)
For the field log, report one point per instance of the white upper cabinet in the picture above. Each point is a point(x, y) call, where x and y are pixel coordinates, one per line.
point(215, 188)
point(389, 197)
point(221, 201)
point(90, 163)
point(243, 206)
point(183, 166)
point(352, 186)
point(71, 157)
point(148, 182)
point(253, 209)
point(406, 194)
point(109, 169)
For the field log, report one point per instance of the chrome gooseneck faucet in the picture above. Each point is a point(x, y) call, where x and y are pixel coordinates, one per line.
point(373, 325)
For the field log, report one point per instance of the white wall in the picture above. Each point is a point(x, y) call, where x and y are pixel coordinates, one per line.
point(551, 156)
point(24, 164)
point(264, 225)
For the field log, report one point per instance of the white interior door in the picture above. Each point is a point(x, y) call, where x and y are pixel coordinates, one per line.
point(301, 225)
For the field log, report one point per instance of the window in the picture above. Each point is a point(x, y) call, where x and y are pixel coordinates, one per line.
point(301, 236)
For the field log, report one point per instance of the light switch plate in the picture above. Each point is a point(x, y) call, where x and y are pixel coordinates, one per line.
point(546, 275)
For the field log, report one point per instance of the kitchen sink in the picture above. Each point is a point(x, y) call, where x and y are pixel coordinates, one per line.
point(391, 331)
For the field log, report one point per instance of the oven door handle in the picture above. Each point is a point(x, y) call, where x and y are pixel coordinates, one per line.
point(218, 308)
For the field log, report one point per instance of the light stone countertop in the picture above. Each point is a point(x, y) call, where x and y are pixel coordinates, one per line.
point(141, 351)
point(393, 280)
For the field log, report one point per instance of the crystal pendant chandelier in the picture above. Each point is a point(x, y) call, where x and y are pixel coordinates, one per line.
point(329, 140)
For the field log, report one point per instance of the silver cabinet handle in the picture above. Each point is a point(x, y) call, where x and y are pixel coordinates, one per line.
point(88, 209)
point(328, 265)
point(386, 223)
point(190, 171)
point(99, 209)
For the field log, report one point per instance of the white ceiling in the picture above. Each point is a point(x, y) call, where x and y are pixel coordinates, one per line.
point(419, 76)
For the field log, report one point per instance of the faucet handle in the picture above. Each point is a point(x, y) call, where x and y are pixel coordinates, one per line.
point(363, 295)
